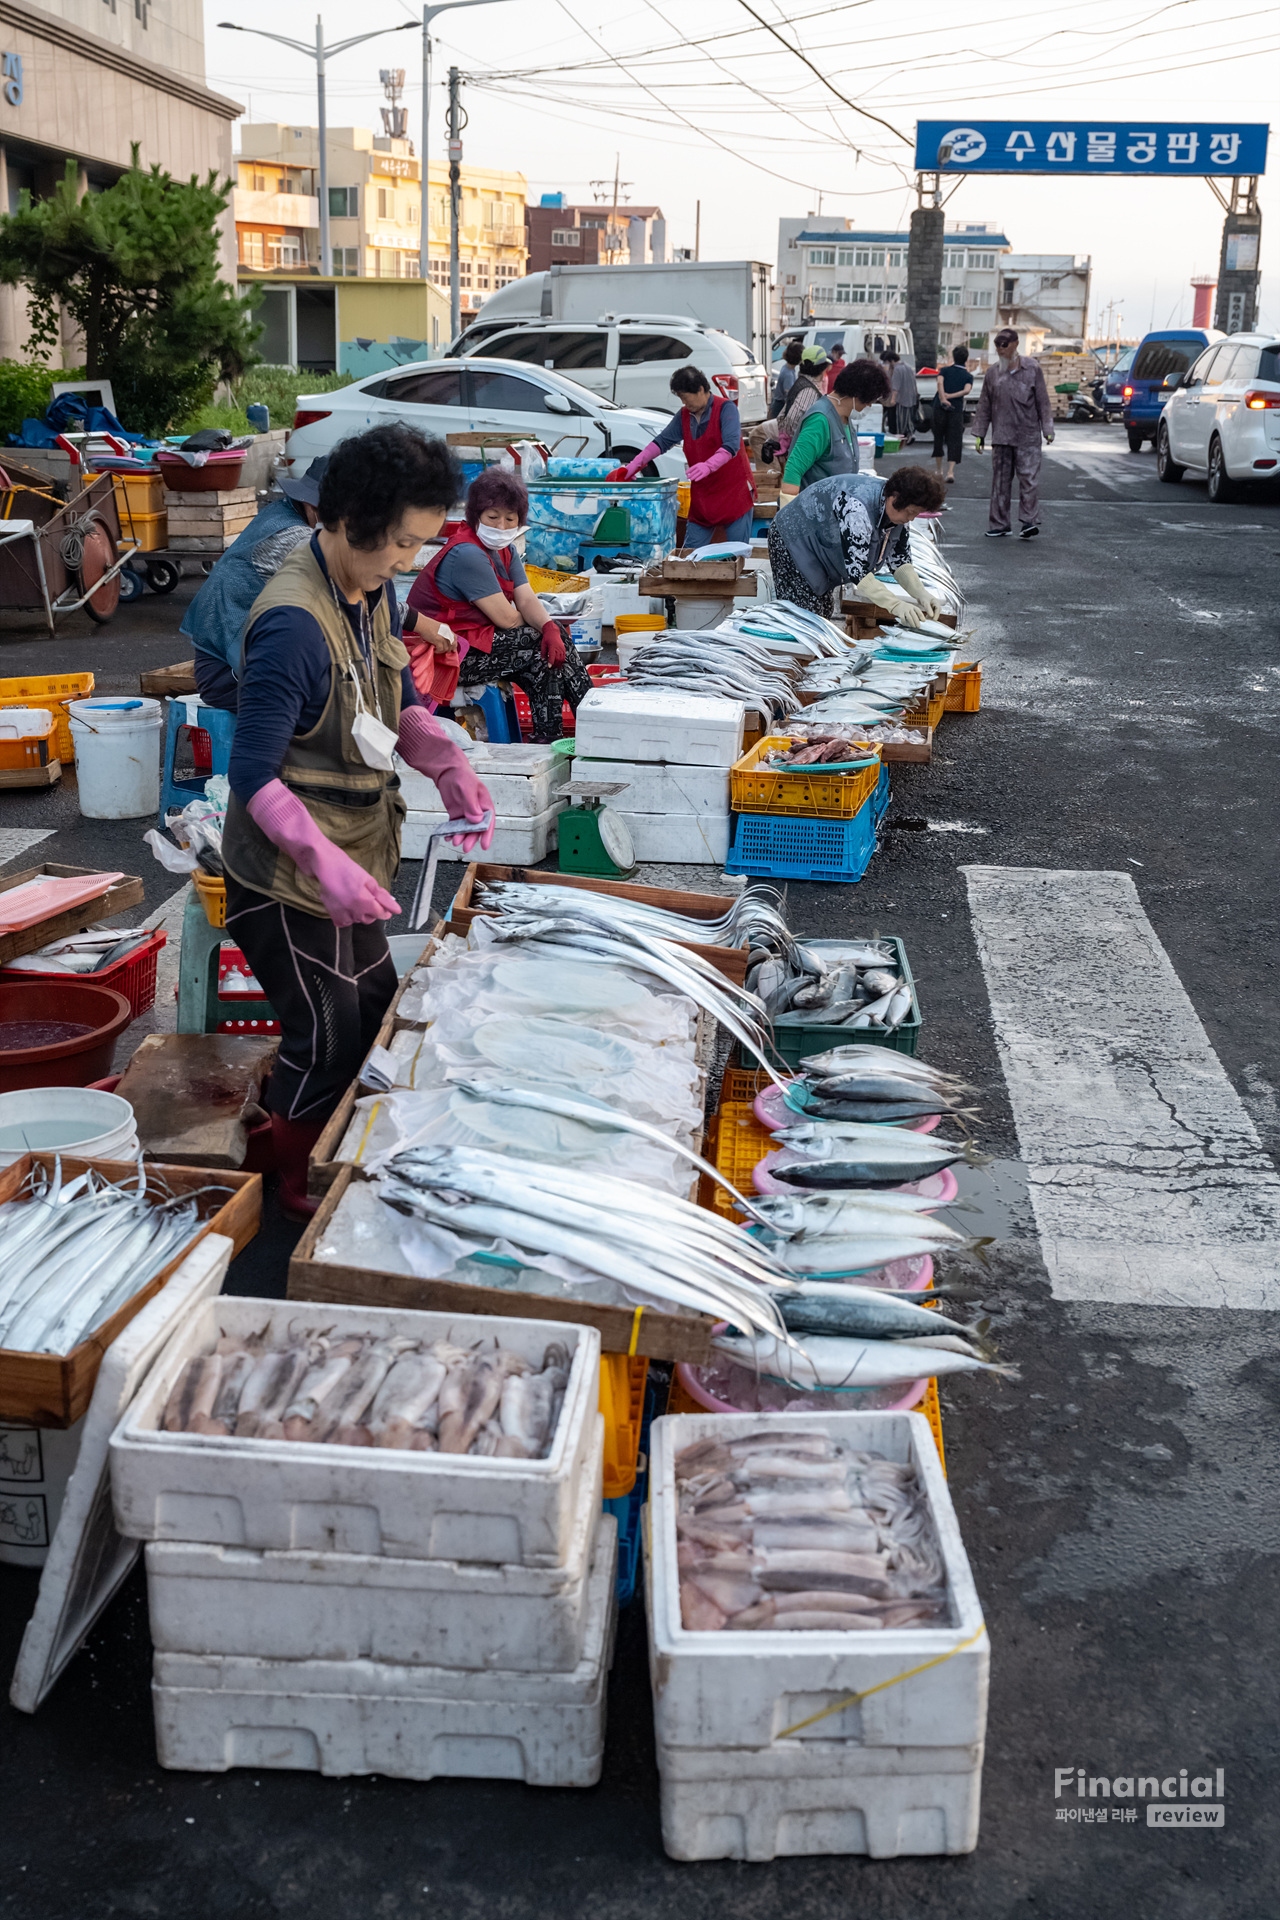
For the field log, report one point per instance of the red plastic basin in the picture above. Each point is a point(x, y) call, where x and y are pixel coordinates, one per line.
point(63, 1063)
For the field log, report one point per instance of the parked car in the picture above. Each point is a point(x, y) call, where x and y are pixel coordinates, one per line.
point(1222, 416)
point(631, 362)
point(1114, 385)
point(502, 398)
point(1143, 392)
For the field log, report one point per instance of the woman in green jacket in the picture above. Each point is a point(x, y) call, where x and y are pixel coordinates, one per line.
point(827, 442)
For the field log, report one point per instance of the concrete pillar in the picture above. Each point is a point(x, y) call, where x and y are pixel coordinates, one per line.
point(924, 282)
point(658, 241)
point(1237, 308)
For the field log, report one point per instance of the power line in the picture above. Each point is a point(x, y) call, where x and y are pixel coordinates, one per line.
point(866, 113)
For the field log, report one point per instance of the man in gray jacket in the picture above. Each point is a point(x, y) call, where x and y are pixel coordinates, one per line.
point(1015, 407)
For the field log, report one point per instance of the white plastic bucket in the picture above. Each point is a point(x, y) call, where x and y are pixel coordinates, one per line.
point(117, 757)
point(83, 1121)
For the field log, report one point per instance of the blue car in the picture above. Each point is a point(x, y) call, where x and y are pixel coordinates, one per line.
point(1143, 393)
point(1114, 385)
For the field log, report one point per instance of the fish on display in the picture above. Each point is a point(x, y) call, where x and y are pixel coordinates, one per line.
point(825, 1363)
point(867, 1156)
point(841, 1308)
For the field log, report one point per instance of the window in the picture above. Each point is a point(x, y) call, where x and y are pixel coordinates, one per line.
point(388, 263)
point(980, 261)
point(951, 296)
point(442, 387)
point(869, 257)
point(412, 215)
point(822, 256)
point(1269, 364)
point(953, 258)
point(251, 250)
point(1221, 367)
point(482, 273)
point(638, 349)
point(343, 203)
point(438, 272)
point(566, 352)
point(1246, 366)
point(504, 272)
point(565, 237)
point(346, 262)
point(896, 257)
point(1009, 296)
point(440, 211)
point(791, 279)
point(1158, 357)
point(386, 204)
point(845, 257)
point(283, 250)
point(983, 297)
point(506, 393)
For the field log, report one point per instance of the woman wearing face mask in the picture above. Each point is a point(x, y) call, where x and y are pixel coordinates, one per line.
point(312, 839)
point(477, 587)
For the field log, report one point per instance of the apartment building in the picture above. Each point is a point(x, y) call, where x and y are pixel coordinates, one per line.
point(277, 217)
point(833, 271)
point(562, 235)
point(492, 247)
point(83, 80)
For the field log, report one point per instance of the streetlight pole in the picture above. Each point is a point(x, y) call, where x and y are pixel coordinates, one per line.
point(319, 53)
point(428, 15)
point(455, 207)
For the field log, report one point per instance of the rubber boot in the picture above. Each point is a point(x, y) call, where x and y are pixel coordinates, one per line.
point(292, 1141)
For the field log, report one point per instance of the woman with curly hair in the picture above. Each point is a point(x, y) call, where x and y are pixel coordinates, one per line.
point(312, 840)
point(477, 586)
point(848, 529)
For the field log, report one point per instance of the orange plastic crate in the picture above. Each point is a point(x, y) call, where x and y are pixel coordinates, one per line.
point(964, 687)
point(37, 750)
point(55, 692)
point(926, 716)
point(622, 1384)
point(810, 790)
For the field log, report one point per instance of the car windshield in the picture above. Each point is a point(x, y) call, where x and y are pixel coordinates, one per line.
point(1157, 357)
point(1269, 364)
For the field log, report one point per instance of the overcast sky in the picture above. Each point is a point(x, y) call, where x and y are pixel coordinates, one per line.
point(558, 88)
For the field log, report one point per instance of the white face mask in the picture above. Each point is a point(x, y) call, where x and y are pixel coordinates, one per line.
point(496, 538)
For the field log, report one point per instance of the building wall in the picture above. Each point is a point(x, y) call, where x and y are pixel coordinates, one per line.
point(832, 271)
point(492, 246)
point(348, 325)
point(589, 236)
point(88, 94)
point(1046, 296)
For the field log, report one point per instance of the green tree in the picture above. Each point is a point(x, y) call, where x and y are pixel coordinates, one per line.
point(136, 267)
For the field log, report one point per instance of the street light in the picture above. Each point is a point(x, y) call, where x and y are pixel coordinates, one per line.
point(428, 15)
point(319, 53)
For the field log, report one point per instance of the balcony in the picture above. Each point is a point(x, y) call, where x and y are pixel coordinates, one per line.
point(275, 209)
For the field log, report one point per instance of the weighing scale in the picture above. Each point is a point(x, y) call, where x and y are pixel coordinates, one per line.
point(593, 839)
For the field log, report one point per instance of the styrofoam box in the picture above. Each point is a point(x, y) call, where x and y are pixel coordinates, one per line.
point(654, 723)
point(827, 1798)
point(654, 788)
point(410, 1723)
point(521, 777)
point(364, 1500)
point(518, 842)
point(678, 839)
point(740, 1690)
point(346, 1606)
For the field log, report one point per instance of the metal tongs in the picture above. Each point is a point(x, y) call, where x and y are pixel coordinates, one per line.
point(446, 830)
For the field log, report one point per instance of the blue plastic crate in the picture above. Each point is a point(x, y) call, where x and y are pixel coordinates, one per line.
point(880, 798)
point(791, 847)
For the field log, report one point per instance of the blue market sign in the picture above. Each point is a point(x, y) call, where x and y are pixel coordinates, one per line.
point(1048, 146)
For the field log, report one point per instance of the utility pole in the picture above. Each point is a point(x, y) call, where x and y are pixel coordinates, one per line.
point(697, 230)
point(428, 15)
point(455, 203)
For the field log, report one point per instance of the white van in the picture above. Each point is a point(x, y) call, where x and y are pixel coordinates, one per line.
point(630, 361)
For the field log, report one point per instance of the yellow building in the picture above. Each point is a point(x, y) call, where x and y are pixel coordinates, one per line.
point(491, 230)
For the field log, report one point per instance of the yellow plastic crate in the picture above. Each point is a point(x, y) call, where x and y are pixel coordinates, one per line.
point(926, 716)
point(213, 897)
point(56, 692)
point(543, 580)
point(756, 788)
point(136, 492)
point(964, 688)
point(622, 1383)
point(150, 530)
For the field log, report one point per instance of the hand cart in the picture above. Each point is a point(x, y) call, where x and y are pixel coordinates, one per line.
point(58, 558)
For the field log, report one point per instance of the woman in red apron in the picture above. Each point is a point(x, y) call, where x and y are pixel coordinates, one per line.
point(722, 495)
point(476, 586)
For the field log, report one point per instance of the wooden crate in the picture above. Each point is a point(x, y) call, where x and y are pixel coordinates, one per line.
point(160, 682)
point(661, 1336)
point(54, 1390)
point(116, 899)
point(207, 501)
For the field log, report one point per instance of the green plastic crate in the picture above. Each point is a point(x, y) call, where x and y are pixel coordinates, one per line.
point(796, 1040)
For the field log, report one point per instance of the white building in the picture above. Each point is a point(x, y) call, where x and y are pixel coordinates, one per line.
point(1046, 297)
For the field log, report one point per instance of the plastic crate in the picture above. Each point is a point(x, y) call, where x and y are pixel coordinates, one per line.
point(544, 580)
point(755, 788)
point(57, 691)
point(213, 896)
point(602, 674)
point(629, 1509)
point(796, 1042)
point(134, 976)
point(150, 530)
point(136, 493)
point(785, 847)
point(928, 715)
point(34, 749)
point(262, 1019)
point(964, 688)
point(622, 1384)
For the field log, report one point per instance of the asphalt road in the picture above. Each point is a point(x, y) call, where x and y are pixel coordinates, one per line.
point(1117, 1502)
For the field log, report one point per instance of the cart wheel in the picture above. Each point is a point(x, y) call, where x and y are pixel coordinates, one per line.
point(163, 575)
point(99, 558)
point(132, 586)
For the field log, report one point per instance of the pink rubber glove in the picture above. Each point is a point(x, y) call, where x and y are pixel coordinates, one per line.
point(705, 468)
point(351, 897)
point(553, 648)
point(426, 749)
point(642, 459)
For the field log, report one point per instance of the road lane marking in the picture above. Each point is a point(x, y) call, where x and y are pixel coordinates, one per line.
point(16, 840)
point(1147, 1178)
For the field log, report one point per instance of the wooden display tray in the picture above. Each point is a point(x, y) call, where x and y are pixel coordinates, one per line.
point(680, 565)
point(161, 682)
point(661, 1336)
point(658, 586)
point(31, 776)
point(116, 899)
point(54, 1389)
point(730, 961)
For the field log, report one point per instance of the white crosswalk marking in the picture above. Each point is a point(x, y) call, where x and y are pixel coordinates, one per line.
point(1147, 1177)
point(16, 840)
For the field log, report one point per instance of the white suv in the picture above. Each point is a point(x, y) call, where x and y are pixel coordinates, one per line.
point(1223, 416)
point(631, 361)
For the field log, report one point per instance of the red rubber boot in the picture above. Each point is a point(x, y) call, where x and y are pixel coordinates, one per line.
point(292, 1141)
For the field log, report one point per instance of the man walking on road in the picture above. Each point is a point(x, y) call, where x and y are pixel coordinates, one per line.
point(1015, 407)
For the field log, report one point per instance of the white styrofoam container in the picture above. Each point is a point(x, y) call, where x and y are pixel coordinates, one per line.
point(620, 595)
point(364, 1500)
point(654, 723)
point(520, 841)
point(827, 1798)
point(521, 777)
point(678, 839)
point(654, 788)
point(342, 1606)
point(410, 1723)
point(740, 1690)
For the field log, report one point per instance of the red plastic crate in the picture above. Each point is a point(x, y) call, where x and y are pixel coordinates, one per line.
point(134, 976)
point(201, 750)
point(602, 675)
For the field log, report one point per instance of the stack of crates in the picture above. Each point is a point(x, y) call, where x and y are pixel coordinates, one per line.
point(141, 503)
point(807, 823)
point(55, 691)
point(351, 1610)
